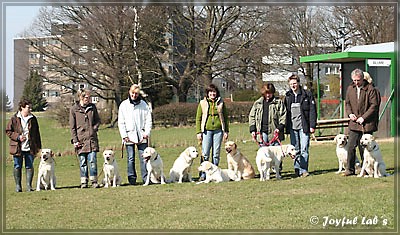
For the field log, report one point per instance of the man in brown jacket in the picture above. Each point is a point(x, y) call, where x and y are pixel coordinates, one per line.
point(361, 108)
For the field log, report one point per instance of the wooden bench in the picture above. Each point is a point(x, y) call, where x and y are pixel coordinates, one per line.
point(330, 123)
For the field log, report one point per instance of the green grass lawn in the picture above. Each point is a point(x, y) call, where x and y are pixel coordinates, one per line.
point(290, 204)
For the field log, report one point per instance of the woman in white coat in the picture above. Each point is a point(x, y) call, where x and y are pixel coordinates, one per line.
point(134, 123)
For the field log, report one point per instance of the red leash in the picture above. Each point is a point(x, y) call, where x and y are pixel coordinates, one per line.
point(275, 138)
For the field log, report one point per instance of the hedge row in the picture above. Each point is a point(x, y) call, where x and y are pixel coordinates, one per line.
point(183, 114)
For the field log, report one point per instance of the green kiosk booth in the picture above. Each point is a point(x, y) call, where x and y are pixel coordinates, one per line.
point(380, 61)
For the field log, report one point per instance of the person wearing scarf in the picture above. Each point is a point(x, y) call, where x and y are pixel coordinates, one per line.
point(212, 125)
point(25, 142)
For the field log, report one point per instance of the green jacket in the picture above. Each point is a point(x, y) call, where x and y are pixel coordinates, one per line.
point(211, 116)
point(276, 117)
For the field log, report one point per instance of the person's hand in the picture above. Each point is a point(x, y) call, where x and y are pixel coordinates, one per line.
point(254, 136)
point(200, 136)
point(126, 140)
point(360, 120)
point(276, 130)
point(353, 117)
point(22, 138)
point(145, 136)
point(312, 130)
point(77, 145)
point(226, 135)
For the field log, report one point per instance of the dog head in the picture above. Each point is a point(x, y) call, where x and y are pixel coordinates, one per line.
point(191, 153)
point(108, 156)
point(230, 147)
point(368, 141)
point(206, 166)
point(46, 155)
point(289, 150)
point(149, 154)
point(340, 140)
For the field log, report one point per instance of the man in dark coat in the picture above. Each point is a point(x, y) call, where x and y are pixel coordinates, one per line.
point(301, 120)
point(361, 108)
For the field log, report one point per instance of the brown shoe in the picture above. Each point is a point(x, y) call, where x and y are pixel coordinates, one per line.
point(348, 173)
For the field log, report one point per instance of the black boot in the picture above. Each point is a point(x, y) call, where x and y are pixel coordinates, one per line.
point(17, 177)
point(29, 177)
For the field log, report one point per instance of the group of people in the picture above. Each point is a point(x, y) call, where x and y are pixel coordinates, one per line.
point(269, 119)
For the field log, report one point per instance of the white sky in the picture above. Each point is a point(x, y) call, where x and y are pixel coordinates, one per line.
point(17, 18)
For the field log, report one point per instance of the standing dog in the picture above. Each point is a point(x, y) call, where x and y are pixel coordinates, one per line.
point(110, 169)
point(181, 170)
point(46, 175)
point(269, 156)
point(238, 163)
point(215, 174)
point(154, 166)
point(342, 152)
point(372, 158)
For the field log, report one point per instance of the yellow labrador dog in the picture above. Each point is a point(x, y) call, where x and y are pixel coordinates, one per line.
point(181, 170)
point(111, 170)
point(154, 166)
point(237, 162)
point(372, 158)
point(215, 174)
point(46, 173)
point(342, 149)
point(269, 156)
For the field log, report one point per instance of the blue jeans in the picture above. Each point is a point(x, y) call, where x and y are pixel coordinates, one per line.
point(28, 160)
point(211, 139)
point(130, 149)
point(88, 160)
point(301, 141)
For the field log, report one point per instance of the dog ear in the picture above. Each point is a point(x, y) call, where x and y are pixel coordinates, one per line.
point(234, 144)
point(51, 153)
point(372, 137)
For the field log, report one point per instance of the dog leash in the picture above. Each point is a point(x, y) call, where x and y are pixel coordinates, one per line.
point(122, 149)
point(263, 143)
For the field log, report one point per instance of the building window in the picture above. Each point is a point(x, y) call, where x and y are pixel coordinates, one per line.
point(327, 88)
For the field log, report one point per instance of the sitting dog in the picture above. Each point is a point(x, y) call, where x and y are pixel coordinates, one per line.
point(181, 170)
point(269, 156)
point(154, 166)
point(372, 158)
point(238, 163)
point(342, 152)
point(46, 173)
point(111, 170)
point(215, 174)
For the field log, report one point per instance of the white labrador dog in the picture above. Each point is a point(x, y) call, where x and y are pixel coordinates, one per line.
point(269, 156)
point(372, 158)
point(215, 174)
point(111, 170)
point(46, 173)
point(154, 166)
point(342, 150)
point(237, 162)
point(181, 170)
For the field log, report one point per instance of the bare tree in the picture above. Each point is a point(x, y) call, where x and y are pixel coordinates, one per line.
point(368, 24)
